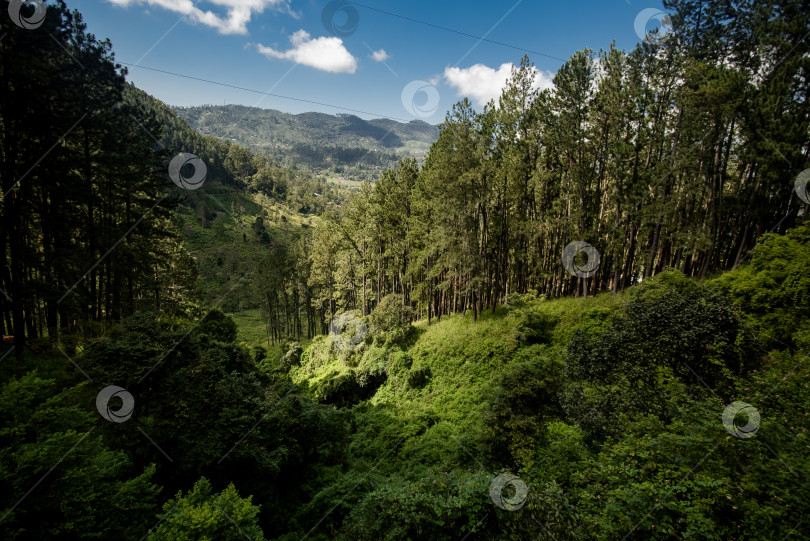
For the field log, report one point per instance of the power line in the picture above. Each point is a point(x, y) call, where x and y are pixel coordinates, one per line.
point(457, 31)
point(377, 115)
point(323, 104)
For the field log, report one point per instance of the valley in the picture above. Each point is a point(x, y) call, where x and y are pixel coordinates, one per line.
point(341, 148)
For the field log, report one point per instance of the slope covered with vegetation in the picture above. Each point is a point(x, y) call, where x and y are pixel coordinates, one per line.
point(339, 146)
point(608, 408)
point(415, 361)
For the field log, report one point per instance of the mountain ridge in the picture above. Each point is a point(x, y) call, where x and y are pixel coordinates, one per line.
point(342, 144)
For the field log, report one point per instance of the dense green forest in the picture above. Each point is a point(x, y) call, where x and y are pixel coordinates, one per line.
point(97, 193)
point(675, 155)
point(585, 315)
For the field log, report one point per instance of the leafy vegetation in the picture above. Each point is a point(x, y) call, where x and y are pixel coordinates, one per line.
point(201, 515)
point(394, 354)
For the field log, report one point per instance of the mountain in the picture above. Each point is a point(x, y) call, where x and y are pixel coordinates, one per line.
point(332, 145)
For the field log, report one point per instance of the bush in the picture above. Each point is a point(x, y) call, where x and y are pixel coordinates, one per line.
point(341, 389)
point(348, 333)
point(203, 515)
point(524, 400)
point(535, 326)
point(390, 321)
point(96, 492)
point(418, 377)
point(259, 354)
point(672, 327)
point(775, 287)
point(218, 326)
point(440, 506)
point(292, 357)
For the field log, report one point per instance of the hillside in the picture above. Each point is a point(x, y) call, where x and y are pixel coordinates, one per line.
point(249, 206)
point(601, 407)
point(338, 145)
point(583, 315)
point(596, 410)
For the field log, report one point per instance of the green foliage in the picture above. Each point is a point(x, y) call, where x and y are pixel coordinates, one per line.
point(390, 321)
point(292, 357)
point(218, 326)
point(201, 515)
point(525, 400)
point(775, 287)
point(419, 377)
point(670, 327)
point(534, 326)
point(190, 388)
point(348, 336)
point(404, 440)
point(600, 416)
point(609, 407)
point(87, 192)
point(430, 508)
point(59, 478)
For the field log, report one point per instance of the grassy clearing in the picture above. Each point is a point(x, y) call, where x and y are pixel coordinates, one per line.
point(251, 329)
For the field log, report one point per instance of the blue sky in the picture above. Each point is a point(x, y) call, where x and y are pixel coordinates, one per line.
point(285, 48)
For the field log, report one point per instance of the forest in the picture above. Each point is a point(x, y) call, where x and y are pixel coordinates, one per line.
point(585, 314)
point(675, 155)
point(341, 144)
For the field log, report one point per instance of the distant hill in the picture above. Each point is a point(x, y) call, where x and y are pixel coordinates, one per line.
point(334, 145)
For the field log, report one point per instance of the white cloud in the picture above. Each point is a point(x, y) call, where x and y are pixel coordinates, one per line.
point(482, 83)
point(327, 54)
point(380, 56)
point(237, 12)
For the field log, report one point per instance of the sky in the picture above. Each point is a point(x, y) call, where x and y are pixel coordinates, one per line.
point(376, 58)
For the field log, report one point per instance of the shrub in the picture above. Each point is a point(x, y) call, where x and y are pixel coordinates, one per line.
point(348, 332)
point(418, 377)
point(292, 357)
point(390, 321)
point(96, 492)
point(524, 400)
point(218, 326)
point(534, 326)
point(203, 515)
point(775, 286)
point(670, 328)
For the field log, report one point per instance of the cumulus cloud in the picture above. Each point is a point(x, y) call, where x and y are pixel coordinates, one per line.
point(237, 13)
point(327, 54)
point(380, 55)
point(482, 83)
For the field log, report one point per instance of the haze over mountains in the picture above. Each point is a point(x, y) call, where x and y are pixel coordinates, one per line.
point(335, 145)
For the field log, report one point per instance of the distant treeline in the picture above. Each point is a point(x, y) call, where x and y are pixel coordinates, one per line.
point(342, 144)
